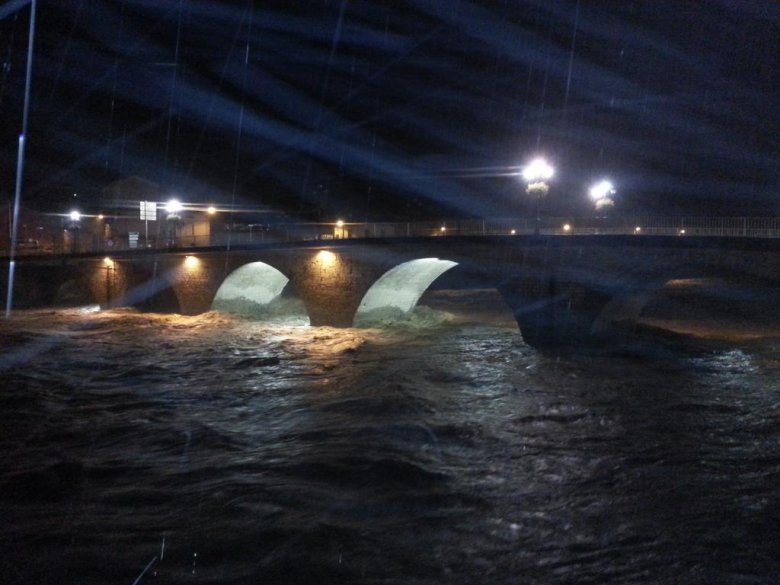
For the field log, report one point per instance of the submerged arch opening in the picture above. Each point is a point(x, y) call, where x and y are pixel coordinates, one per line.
point(717, 308)
point(397, 291)
point(72, 293)
point(257, 290)
point(156, 296)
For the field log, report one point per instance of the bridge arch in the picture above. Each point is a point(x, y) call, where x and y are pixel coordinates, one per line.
point(254, 289)
point(627, 304)
point(153, 291)
point(111, 283)
point(73, 293)
point(397, 291)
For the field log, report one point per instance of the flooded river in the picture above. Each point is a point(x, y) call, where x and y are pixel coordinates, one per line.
point(141, 448)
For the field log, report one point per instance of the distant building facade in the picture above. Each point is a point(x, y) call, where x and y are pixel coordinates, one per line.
point(125, 228)
point(116, 225)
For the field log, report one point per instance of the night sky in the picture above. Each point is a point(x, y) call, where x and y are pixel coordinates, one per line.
point(398, 109)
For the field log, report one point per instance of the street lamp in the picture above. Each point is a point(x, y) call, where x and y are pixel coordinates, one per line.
point(536, 174)
point(601, 193)
point(72, 231)
point(338, 230)
point(173, 208)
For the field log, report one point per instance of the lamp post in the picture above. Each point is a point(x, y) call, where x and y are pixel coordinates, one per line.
point(536, 174)
point(14, 219)
point(72, 230)
point(211, 211)
point(601, 193)
point(108, 266)
point(339, 231)
point(173, 210)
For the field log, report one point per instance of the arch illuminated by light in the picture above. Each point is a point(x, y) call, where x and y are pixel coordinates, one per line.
point(398, 290)
point(249, 289)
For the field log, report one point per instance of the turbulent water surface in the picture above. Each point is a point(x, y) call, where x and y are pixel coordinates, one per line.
point(142, 448)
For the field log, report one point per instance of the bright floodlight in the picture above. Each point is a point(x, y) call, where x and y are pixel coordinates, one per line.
point(173, 206)
point(340, 223)
point(211, 210)
point(75, 215)
point(537, 170)
point(602, 190)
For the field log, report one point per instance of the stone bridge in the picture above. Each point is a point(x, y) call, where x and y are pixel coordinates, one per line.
point(561, 289)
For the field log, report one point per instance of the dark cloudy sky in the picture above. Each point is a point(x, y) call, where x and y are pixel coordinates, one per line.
point(389, 108)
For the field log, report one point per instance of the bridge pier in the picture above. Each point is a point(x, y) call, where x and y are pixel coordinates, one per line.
point(195, 281)
point(556, 314)
point(557, 296)
point(332, 284)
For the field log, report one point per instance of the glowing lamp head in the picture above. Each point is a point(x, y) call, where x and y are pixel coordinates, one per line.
point(567, 227)
point(537, 170)
point(340, 223)
point(100, 216)
point(191, 262)
point(443, 229)
point(173, 207)
point(637, 229)
point(74, 215)
point(211, 210)
point(513, 232)
point(602, 190)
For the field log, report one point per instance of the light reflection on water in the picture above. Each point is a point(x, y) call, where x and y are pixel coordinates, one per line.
point(437, 451)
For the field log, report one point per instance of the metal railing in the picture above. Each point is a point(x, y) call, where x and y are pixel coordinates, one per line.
point(732, 227)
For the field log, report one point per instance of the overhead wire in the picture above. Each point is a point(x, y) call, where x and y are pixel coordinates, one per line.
point(114, 84)
point(240, 126)
point(172, 100)
point(323, 94)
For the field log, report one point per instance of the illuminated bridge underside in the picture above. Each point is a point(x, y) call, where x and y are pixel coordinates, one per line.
point(250, 289)
point(396, 293)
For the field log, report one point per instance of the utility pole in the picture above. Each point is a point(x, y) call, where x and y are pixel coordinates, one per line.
point(20, 163)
